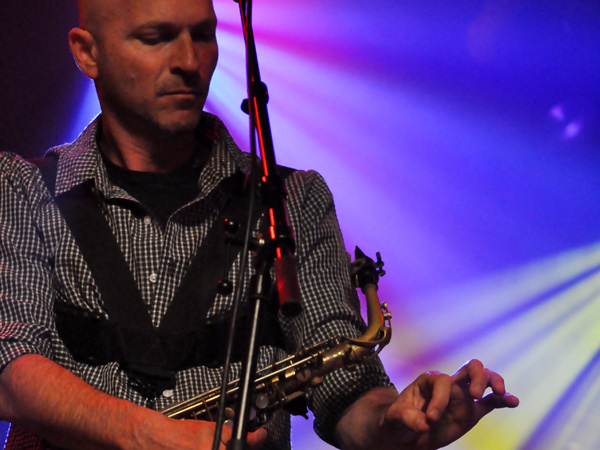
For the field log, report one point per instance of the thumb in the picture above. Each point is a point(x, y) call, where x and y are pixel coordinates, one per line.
point(403, 416)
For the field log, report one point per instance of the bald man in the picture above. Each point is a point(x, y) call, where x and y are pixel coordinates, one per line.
point(159, 167)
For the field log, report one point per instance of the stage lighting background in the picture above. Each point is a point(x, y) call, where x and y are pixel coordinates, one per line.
point(461, 140)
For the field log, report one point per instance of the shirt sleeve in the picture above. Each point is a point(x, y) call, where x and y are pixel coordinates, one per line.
point(26, 316)
point(330, 303)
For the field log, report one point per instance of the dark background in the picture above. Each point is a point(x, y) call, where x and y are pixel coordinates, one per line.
point(40, 84)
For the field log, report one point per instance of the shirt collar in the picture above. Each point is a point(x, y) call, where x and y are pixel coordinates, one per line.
point(81, 161)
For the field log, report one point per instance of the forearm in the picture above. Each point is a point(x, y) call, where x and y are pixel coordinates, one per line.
point(359, 428)
point(48, 400)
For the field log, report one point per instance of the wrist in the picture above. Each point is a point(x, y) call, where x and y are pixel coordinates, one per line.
point(360, 425)
point(143, 429)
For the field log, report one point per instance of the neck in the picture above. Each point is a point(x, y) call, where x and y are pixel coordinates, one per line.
point(148, 151)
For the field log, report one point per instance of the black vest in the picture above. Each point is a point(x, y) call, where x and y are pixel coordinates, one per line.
point(151, 355)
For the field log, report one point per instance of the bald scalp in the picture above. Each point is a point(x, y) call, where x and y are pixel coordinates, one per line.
point(93, 14)
point(96, 16)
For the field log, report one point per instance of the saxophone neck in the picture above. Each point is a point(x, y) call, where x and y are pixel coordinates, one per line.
point(375, 314)
point(365, 274)
point(379, 330)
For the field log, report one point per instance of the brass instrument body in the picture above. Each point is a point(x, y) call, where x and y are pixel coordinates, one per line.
point(293, 378)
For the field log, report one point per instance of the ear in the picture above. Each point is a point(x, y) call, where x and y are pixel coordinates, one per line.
point(84, 51)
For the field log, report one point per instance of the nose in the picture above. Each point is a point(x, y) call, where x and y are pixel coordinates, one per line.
point(185, 58)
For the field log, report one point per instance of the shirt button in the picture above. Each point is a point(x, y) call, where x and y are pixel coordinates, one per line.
point(153, 277)
point(168, 393)
point(147, 220)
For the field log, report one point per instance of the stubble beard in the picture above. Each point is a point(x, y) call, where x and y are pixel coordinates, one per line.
point(181, 120)
point(161, 124)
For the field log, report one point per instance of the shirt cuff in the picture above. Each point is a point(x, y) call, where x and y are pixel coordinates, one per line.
point(339, 391)
point(11, 348)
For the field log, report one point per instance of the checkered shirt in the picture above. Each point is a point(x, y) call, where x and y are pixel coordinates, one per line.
point(40, 263)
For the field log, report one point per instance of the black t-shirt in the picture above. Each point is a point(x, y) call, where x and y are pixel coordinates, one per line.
point(161, 193)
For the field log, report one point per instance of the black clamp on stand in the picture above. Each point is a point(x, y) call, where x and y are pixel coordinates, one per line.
point(275, 250)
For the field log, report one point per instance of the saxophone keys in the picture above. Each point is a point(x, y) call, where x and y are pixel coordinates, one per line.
point(229, 414)
point(304, 375)
point(261, 401)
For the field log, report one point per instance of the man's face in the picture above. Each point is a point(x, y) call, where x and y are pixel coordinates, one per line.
point(155, 61)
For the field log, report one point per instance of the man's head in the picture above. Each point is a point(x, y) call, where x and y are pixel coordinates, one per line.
point(151, 60)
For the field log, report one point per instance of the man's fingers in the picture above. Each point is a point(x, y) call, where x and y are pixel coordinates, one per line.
point(478, 378)
point(257, 438)
point(440, 385)
point(472, 374)
point(463, 373)
point(401, 416)
point(496, 382)
point(494, 401)
point(225, 435)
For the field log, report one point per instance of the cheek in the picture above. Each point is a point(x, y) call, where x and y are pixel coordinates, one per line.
point(140, 79)
point(137, 69)
point(119, 77)
point(210, 57)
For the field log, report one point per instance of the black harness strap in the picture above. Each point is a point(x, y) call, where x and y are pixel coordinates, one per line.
point(149, 355)
point(200, 280)
point(83, 214)
point(102, 253)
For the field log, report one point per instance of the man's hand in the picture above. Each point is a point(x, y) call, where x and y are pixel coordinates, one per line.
point(255, 439)
point(196, 434)
point(433, 411)
point(38, 395)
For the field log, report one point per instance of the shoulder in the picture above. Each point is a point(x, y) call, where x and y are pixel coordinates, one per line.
point(305, 185)
point(24, 197)
point(22, 188)
point(16, 170)
point(20, 176)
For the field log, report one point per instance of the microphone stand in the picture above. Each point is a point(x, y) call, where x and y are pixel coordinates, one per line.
point(276, 250)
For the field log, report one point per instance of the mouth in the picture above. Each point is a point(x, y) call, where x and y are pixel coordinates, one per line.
point(182, 90)
point(185, 98)
point(184, 93)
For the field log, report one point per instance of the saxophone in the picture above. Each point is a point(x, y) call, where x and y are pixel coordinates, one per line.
point(288, 383)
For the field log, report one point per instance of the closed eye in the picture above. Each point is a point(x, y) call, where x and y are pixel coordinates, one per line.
point(154, 39)
point(155, 34)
